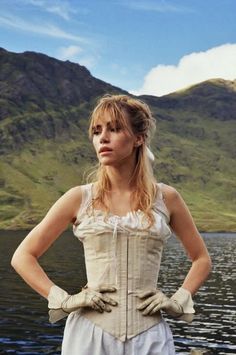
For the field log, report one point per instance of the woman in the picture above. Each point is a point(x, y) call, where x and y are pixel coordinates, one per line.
point(123, 220)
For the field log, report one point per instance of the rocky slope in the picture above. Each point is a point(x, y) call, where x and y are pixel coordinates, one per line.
point(44, 150)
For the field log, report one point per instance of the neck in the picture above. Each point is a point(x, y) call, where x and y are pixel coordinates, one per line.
point(120, 176)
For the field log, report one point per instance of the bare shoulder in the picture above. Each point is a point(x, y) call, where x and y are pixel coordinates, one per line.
point(169, 192)
point(75, 191)
point(73, 199)
point(66, 206)
point(170, 196)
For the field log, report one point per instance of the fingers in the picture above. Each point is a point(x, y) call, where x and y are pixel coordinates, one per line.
point(106, 288)
point(109, 300)
point(168, 305)
point(146, 303)
point(96, 307)
point(101, 302)
point(146, 293)
point(154, 303)
point(105, 300)
point(97, 304)
point(152, 308)
point(162, 305)
point(149, 309)
point(107, 308)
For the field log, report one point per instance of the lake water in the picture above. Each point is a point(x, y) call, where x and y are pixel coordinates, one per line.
point(24, 326)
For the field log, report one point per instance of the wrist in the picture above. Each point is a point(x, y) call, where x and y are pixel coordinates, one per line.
point(183, 298)
point(56, 297)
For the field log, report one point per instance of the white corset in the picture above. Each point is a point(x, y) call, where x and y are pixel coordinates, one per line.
point(122, 252)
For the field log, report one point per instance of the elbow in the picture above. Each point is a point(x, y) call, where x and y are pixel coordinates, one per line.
point(204, 263)
point(207, 262)
point(15, 260)
point(21, 259)
point(18, 259)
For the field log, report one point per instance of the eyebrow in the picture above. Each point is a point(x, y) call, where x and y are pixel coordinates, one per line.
point(99, 125)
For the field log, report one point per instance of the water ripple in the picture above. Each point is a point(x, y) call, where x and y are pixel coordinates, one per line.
point(24, 326)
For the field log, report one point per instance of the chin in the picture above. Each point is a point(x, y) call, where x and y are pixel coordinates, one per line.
point(106, 162)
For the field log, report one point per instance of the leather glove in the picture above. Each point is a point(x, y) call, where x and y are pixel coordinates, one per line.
point(60, 303)
point(180, 305)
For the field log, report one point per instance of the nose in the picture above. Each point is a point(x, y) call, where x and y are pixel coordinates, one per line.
point(104, 137)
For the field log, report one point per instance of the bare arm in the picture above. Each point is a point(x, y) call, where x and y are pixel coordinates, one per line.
point(41, 237)
point(182, 224)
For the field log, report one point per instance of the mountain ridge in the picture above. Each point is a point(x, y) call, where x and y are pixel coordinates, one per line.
point(44, 150)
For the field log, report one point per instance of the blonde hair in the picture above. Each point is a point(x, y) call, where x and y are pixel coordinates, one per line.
point(123, 108)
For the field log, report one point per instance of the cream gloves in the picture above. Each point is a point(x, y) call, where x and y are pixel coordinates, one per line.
point(60, 303)
point(179, 305)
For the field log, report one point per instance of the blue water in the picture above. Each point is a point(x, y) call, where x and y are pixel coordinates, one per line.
point(24, 326)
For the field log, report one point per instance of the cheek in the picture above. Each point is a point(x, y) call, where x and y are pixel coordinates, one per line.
point(125, 148)
point(126, 141)
point(95, 144)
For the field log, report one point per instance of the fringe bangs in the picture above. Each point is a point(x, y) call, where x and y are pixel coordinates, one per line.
point(113, 111)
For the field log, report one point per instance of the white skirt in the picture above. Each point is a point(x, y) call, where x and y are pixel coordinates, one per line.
point(82, 337)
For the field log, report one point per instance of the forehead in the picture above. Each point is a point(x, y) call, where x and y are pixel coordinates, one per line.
point(104, 121)
point(110, 119)
point(104, 117)
point(109, 116)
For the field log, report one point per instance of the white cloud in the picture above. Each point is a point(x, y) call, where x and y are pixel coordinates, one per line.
point(69, 52)
point(76, 54)
point(217, 62)
point(43, 29)
point(57, 7)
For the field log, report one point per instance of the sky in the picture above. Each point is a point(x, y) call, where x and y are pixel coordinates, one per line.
point(150, 47)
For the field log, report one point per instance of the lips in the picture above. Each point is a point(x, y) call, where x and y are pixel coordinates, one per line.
point(105, 149)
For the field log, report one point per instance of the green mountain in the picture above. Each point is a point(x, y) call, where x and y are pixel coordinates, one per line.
point(44, 150)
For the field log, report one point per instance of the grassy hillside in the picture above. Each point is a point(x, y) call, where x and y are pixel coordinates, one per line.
point(44, 149)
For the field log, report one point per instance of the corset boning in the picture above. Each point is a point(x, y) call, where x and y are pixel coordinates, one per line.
point(128, 258)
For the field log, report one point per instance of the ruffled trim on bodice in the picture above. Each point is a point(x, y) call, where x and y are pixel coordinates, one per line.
point(132, 221)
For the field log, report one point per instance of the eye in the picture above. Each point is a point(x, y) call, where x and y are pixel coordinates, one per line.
point(115, 129)
point(96, 131)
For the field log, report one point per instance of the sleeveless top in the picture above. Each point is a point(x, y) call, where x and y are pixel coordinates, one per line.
point(120, 251)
